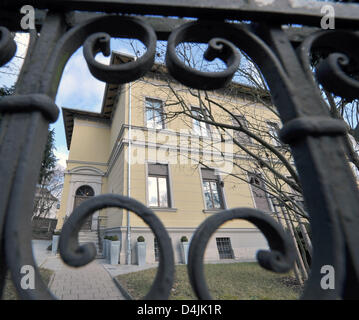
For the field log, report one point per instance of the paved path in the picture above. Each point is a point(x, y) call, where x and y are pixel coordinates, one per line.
point(115, 270)
point(39, 248)
point(91, 282)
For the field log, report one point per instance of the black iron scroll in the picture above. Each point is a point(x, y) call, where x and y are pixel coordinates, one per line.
point(329, 188)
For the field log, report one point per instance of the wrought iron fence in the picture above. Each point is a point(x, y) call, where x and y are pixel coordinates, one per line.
point(329, 188)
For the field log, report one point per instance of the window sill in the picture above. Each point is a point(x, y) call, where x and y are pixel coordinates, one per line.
point(163, 209)
point(212, 210)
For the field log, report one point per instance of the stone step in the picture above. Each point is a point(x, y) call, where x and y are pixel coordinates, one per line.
point(88, 239)
point(90, 236)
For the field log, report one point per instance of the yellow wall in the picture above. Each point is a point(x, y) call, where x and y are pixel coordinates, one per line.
point(90, 148)
point(120, 115)
point(98, 143)
point(90, 141)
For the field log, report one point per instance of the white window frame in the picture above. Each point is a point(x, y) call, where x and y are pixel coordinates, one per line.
point(145, 113)
point(252, 195)
point(169, 186)
point(222, 195)
point(245, 138)
point(273, 128)
point(203, 126)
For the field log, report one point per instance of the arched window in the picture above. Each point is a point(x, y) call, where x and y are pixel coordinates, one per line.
point(85, 191)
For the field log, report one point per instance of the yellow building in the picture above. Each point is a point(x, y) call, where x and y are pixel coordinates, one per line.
point(178, 167)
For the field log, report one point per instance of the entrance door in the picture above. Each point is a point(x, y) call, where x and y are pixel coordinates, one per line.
point(82, 194)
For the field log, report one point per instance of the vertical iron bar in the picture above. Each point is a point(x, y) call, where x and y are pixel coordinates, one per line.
point(329, 188)
point(22, 142)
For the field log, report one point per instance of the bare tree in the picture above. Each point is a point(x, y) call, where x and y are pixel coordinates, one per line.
point(48, 194)
point(244, 112)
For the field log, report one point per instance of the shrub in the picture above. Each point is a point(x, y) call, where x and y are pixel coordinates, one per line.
point(140, 239)
point(184, 239)
point(112, 238)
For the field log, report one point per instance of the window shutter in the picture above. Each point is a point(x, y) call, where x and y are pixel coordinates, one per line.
point(158, 169)
point(209, 174)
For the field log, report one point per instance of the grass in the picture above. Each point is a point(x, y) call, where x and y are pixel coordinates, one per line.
point(242, 281)
point(10, 291)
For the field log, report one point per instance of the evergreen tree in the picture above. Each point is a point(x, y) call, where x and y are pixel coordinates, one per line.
point(6, 91)
point(48, 165)
point(49, 160)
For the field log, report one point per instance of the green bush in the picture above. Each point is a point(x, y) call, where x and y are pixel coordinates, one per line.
point(184, 239)
point(112, 238)
point(140, 239)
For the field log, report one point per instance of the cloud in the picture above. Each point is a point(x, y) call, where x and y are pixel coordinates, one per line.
point(78, 88)
point(62, 155)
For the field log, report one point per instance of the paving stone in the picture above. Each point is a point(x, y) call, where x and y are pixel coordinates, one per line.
point(91, 282)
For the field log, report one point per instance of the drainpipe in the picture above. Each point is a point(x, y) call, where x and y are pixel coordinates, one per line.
point(128, 254)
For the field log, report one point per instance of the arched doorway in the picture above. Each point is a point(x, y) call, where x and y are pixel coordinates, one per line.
point(82, 194)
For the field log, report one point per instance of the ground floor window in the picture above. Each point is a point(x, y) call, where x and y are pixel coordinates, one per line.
point(157, 258)
point(158, 186)
point(225, 248)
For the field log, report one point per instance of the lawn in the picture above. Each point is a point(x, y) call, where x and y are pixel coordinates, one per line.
point(243, 281)
point(10, 291)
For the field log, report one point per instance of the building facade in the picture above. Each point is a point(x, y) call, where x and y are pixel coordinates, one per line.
point(178, 166)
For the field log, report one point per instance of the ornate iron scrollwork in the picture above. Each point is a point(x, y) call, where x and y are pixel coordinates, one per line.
point(218, 47)
point(279, 259)
point(7, 46)
point(100, 42)
point(334, 72)
point(311, 133)
point(75, 255)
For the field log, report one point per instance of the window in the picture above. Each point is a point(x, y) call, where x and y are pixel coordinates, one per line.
point(274, 133)
point(157, 256)
point(199, 127)
point(212, 189)
point(225, 248)
point(154, 114)
point(296, 196)
point(259, 194)
point(158, 195)
point(85, 191)
point(241, 136)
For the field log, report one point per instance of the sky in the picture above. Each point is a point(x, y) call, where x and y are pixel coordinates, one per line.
point(78, 89)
